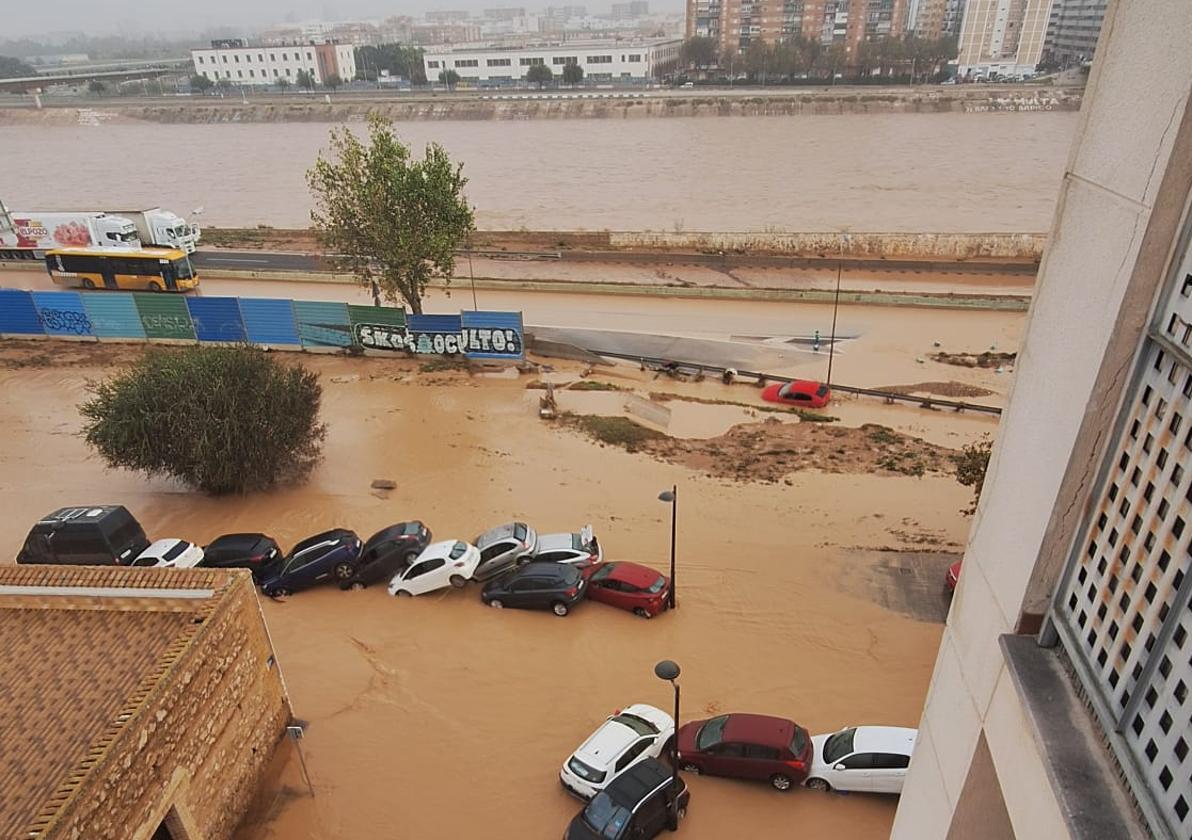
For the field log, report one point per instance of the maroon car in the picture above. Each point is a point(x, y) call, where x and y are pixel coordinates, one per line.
point(773, 749)
point(629, 586)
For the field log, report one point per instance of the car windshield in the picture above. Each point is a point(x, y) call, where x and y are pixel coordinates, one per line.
point(412, 528)
point(836, 747)
point(173, 553)
point(145, 561)
point(590, 774)
point(520, 532)
point(656, 587)
point(785, 390)
point(457, 550)
point(603, 571)
point(577, 542)
point(710, 733)
point(638, 724)
point(606, 817)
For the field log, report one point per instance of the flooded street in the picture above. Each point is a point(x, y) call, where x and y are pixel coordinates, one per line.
point(866, 172)
point(434, 716)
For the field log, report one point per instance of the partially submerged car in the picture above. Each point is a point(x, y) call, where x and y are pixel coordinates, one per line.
point(170, 554)
point(638, 805)
point(543, 586)
point(387, 552)
point(255, 552)
point(577, 548)
point(629, 736)
point(441, 564)
point(629, 586)
point(503, 547)
point(331, 555)
point(745, 746)
point(802, 393)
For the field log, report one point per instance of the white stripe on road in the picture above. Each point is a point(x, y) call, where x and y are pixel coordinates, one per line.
point(234, 259)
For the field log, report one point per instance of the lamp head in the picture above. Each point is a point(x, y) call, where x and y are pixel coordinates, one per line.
point(667, 670)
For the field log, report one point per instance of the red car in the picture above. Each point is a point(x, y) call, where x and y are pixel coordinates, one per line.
point(629, 586)
point(804, 393)
point(747, 747)
point(953, 576)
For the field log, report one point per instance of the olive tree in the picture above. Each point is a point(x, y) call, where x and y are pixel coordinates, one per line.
point(220, 419)
point(393, 221)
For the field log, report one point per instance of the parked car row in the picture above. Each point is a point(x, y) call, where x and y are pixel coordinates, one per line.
point(630, 793)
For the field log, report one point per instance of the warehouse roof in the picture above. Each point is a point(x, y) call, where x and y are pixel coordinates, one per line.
point(84, 650)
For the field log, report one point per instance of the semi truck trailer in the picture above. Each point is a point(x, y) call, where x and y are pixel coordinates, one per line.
point(26, 234)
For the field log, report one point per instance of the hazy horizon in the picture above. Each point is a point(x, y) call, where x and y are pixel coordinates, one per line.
point(60, 19)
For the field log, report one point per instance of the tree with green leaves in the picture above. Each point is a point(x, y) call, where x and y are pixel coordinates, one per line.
point(401, 61)
point(305, 79)
point(540, 74)
point(393, 220)
point(573, 74)
point(14, 68)
point(449, 78)
point(700, 52)
point(971, 463)
point(97, 87)
point(224, 85)
point(219, 419)
point(200, 83)
point(283, 83)
point(333, 81)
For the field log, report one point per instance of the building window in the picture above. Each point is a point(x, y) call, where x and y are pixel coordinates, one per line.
point(261, 57)
point(498, 62)
point(272, 57)
point(467, 62)
point(565, 59)
point(200, 59)
point(288, 73)
point(309, 57)
point(239, 74)
point(285, 56)
point(531, 62)
point(432, 64)
point(252, 74)
point(225, 59)
point(635, 58)
point(600, 59)
point(275, 72)
point(248, 59)
point(237, 57)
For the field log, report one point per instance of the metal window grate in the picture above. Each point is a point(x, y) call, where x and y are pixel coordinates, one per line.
point(1123, 611)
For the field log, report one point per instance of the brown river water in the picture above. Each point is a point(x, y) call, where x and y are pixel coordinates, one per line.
point(868, 172)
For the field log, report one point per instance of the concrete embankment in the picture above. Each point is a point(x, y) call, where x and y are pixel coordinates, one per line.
point(564, 105)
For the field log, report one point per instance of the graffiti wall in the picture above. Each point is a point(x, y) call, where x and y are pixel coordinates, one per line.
point(271, 322)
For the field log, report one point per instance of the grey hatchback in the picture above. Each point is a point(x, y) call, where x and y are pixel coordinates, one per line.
point(503, 547)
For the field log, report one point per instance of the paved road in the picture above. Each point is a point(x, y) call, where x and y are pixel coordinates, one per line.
point(281, 261)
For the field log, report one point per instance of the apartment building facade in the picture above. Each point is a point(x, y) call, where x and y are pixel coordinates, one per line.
point(1073, 30)
point(1059, 705)
point(1003, 36)
point(245, 65)
point(935, 18)
point(735, 24)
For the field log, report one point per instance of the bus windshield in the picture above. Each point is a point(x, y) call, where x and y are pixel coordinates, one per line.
point(182, 269)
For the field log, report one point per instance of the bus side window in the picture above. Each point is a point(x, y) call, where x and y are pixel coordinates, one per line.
point(58, 258)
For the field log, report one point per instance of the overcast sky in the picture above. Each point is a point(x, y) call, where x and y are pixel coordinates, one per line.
point(142, 17)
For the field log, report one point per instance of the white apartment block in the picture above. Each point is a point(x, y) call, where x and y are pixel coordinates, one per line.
point(602, 61)
point(1060, 706)
point(267, 65)
point(1003, 36)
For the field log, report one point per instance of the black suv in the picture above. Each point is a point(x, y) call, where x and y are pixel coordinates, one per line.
point(635, 806)
point(388, 552)
point(101, 535)
point(543, 586)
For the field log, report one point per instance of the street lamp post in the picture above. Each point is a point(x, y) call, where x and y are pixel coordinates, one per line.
point(671, 496)
point(669, 670)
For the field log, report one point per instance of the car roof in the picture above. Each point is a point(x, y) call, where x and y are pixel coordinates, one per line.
point(555, 542)
point(557, 571)
point(804, 386)
point(89, 513)
point(162, 546)
point(634, 573)
point(501, 532)
point(884, 739)
point(236, 540)
point(606, 743)
point(440, 549)
point(759, 729)
point(397, 529)
point(638, 782)
point(334, 535)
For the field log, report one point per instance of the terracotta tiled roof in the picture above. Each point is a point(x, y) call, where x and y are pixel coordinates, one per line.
point(81, 648)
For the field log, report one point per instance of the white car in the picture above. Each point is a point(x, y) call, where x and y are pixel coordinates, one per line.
point(580, 549)
point(447, 563)
point(170, 554)
point(631, 735)
point(862, 758)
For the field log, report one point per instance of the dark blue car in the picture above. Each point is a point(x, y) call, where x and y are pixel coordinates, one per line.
point(332, 555)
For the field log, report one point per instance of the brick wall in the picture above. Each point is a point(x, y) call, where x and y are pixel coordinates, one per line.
point(198, 745)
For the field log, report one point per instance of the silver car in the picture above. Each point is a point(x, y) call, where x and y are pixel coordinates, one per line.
point(577, 549)
point(501, 548)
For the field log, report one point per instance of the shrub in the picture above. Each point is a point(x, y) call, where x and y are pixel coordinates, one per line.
point(220, 419)
point(971, 464)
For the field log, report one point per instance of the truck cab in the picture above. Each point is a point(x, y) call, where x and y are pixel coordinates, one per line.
point(163, 228)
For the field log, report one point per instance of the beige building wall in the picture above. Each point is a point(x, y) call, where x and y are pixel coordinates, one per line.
point(1123, 206)
point(1003, 36)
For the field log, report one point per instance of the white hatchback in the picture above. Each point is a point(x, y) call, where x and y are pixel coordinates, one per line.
point(170, 554)
point(862, 758)
point(447, 563)
point(631, 735)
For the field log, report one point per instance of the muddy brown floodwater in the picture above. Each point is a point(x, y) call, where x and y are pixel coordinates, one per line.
point(437, 718)
point(948, 172)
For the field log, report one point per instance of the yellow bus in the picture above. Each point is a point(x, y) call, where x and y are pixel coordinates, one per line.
point(152, 269)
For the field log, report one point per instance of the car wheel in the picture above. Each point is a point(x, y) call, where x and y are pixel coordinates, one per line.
point(356, 586)
point(459, 581)
point(781, 781)
point(401, 593)
point(410, 557)
point(88, 283)
point(819, 784)
point(560, 608)
point(344, 570)
point(280, 592)
point(641, 612)
point(681, 813)
point(687, 767)
point(496, 604)
point(154, 286)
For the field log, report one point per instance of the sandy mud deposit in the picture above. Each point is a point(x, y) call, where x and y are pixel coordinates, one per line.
point(810, 583)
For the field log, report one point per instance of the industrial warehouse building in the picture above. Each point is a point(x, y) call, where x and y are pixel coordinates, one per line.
point(602, 61)
point(234, 60)
point(135, 704)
